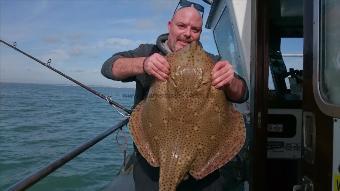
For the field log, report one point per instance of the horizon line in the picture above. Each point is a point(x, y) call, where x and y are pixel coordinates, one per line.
point(68, 84)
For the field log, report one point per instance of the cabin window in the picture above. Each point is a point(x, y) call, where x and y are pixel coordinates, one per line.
point(286, 65)
point(227, 43)
point(329, 51)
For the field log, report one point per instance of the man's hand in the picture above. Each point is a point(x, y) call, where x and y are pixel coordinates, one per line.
point(223, 78)
point(222, 74)
point(156, 65)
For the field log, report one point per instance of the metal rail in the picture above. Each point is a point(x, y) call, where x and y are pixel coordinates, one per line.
point(40, 174)
point(107, 98)
point(292, 55)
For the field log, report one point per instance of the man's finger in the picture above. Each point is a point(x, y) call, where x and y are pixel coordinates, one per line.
point(224, 82)
point(161, 59)
point(222, 77)
point(218, 79)
point(156, 75)
point(161, 67)
point(222, 71)
point(159, 71)
point(221, 66)
point(217, 67)
point(159, 74)
point(163, 64)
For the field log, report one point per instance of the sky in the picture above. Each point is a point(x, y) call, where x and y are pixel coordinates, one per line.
point(79, 35)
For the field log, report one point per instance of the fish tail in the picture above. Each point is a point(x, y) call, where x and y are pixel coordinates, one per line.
point(172, 174)
point(168, 181)
point(165, 185)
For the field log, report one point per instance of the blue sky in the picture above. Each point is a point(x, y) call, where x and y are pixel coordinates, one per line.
point(78, 35)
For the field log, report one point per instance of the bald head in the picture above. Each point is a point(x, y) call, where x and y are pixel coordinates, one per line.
point(184, 27)
point(188, 11)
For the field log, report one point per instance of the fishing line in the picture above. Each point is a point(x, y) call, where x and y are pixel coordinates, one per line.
point(119, 108)
point(122, 146)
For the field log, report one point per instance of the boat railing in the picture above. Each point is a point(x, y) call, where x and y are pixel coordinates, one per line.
point(48, 169)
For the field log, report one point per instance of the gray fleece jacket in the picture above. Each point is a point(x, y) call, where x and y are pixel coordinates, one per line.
point(144, 81)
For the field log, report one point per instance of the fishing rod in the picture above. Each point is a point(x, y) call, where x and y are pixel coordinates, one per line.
point(114, 104)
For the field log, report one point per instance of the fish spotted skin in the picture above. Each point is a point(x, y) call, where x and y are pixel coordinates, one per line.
point(185, 125)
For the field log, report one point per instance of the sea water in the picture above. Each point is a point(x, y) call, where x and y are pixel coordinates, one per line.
point(40, 123)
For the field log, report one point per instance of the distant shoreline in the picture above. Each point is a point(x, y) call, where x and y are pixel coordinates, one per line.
point(65, 84)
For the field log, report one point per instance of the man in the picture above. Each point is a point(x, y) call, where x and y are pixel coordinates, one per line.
point(147, 63)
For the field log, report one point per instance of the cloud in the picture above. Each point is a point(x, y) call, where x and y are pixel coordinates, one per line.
point(66, 51)
point(145, 24)
point(118, 43)
point(94, 48)
point(120, 22)
point(51, 40)
point(86, 71)
point(164, 5)
point(76, 50)
point(56, 55)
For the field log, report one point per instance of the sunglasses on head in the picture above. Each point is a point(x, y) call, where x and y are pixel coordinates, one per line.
point(185, 3)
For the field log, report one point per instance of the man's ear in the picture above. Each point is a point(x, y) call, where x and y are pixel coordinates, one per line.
point(169, 25)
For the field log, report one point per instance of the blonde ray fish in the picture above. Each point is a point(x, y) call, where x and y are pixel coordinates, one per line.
point(186, 126)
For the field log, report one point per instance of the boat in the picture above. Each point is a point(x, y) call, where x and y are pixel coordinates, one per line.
point(293, 113)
